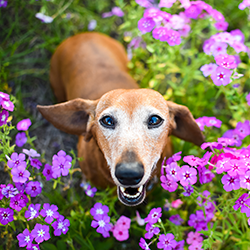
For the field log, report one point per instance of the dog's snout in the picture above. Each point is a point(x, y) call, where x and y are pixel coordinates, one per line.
point(130, 173)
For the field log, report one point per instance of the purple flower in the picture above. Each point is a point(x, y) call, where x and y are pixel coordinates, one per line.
point(166, 242)
point(9, 191)
point(23, 124)
point(3, 3)
point(16, 203)
point(48, 172)
point(191, 160)
point(117, 11)
point(102, 224)
point(176, 219)
point(60, 226)
point(32, 212)
point(61, 163)
point(221, 76)
point(243, 202)
point(193, 11)
point(16, 160)
point(188, 190)
point(230, 183)
point(205, 175)
point(243, 129)
point(99, 209)
point(92, 24)
point(44, 18)
point(179, 245)
point(40, 233)
point(238, 35)
point(221, 25)
point(33, 188)
point(35, 163)
point(90, 191)
point(245, 180)
point(23, 198)
point(6, 215)
point(25, 238)
point(172, 171)
point(7, 104)
point(146, 24)
point(144, 3)
point(143, 244)
point(154, 215)
point(219, 48)
point(151, 231)
point(160, 33)
point(173, 37)
point(4, 114)
point(174, 157)
point(49, 212)
point(208, 69)
point(21, 139)
point(168, 183)
point(34, 247)
point(31, 152)
point(20, 174)
point(187, 175)
point(233, 134)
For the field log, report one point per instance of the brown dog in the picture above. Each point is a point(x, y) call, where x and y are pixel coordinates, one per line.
point(123, 130)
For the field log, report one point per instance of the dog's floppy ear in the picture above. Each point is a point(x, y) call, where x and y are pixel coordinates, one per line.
point(73, 117)
point(184, 125)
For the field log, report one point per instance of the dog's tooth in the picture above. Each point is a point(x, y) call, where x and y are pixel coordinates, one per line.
point(122, 189)
point(140, 189)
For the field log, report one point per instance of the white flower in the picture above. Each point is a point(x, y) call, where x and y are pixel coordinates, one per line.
point(44, 18)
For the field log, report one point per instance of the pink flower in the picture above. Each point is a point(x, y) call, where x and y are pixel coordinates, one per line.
point(20, 174)
point(144, 3)
point(243, 203)
point(219, 48)
point(235, 167)
point(139, 220)
point(160, 33)
point(238, 35)
point(193, 11)
point(221, 76)
point(172, 171)
point(208, 69)
point(194, 237)
point(143, 244)
point(177, 203)
point(245, 180)
point(23, 124)
point(248, 99)
point(191, 160)
point(146, 24)
point(151, 231)
point(8, 105)
point(166, 3)
point(168, 183)
point(187, 175)
point(173, 38)
point(120, 233)
point(221, 25)
point(123, 222)
point(226, 61)
point(154, 215)
point(166, 242)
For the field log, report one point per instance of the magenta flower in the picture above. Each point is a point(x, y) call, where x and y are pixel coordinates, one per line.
point(208, 69)
point(245, 180)
point(221, 76)
point(154, 215)
point(176, 219)
point(99, 209)
point(179, 245)
point(176, 203)
point(16, 203)
point(8, 105)
point(6, 215)
point(160, 33)
point(33, 188)
point(48, 172)
point(40, 233)
point(233, 134)
point(4, 114)
point(221, 25)
point(230, 183)
point(166, 242)
point(239, 47)
point(9, 191)
point(25, 238)
point(174, 157)
point(120, 233)
point(49, 212)
point(90, 191)
point(102, 223)
point(21, 139)
point(143, 244)
point(151, 231)
point(243, 203)
point(32, 212)
point(243, 129)
point(3, 3)
point(191, 160)
point(16, 160)
point(123, 222)
point(20, 174)
point(244, 4)
point(226, 61)
point(61, 163)
point(35, 163)
point(205, 175)
point(168, 183)
point(146, 24)
point(194, 236)
point(188, 190)
point(60, 226)
point(172, 171)
point(196, 246)
point(235, 167)
point(173, 37)
point(187, 175)
point(23, 124)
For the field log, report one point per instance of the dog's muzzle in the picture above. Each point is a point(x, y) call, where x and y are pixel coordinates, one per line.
point(129, 176)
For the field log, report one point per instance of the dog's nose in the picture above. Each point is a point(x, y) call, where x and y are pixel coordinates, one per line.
point(130, 173)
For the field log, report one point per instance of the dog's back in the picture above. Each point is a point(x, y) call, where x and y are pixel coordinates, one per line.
point(88, 65)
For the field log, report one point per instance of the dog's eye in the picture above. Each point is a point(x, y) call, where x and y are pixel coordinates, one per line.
point(154, 121)
point(108, 122)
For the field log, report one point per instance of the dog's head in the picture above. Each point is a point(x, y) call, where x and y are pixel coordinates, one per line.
point(131, 128)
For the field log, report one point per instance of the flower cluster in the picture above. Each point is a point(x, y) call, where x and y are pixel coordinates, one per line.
point(21, 137)
point(88, 190)
point(170, 28)
point(244, 4)
point(121, 227)
point(208, 122)
point(222, 71)
point(5, 106)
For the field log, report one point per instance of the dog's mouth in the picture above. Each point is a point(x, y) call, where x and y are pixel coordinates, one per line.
point(131, 196)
